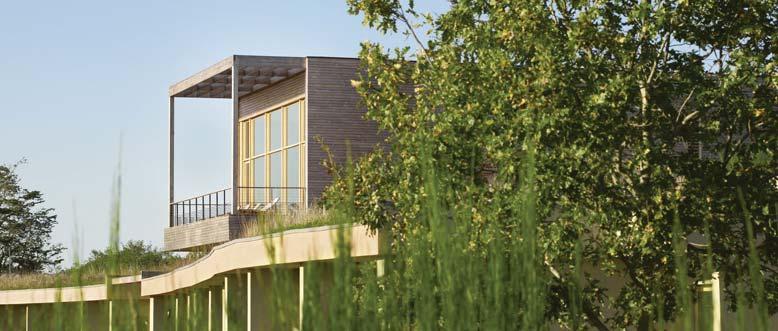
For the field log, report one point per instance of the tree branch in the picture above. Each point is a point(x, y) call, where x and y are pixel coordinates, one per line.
point(663, 47)
point(683, 105)
point(401, 15)
point(587, 306)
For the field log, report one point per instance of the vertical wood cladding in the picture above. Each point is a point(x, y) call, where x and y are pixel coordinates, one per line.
point(336, 115)
point(272, 95)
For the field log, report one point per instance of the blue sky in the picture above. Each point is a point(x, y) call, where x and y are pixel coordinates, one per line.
point(77, 75)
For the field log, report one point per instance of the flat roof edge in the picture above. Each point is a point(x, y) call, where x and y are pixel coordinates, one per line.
point(332, 57)
point(198, 77)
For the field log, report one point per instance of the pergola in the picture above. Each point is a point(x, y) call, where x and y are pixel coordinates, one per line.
point(253, 73)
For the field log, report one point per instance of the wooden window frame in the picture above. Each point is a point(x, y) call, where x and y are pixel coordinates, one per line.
point(247, 156)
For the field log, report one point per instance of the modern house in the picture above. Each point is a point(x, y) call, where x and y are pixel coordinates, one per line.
point(282, 108)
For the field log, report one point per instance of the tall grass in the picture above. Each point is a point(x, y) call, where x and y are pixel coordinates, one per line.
point(440, 273)
point(279, 221)
point(437, 279)
point(434, 277)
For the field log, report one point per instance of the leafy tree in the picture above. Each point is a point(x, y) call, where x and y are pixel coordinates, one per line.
point(638, 114)
point(25, 228)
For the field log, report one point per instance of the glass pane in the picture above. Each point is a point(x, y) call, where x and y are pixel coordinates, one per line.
point(244, 140)
point(245, 175)
point(259, 135)
point(276, 174)
point(293, 175)
point(258, 191)
point(245, 195)
point(276, 129)
point(293, 124)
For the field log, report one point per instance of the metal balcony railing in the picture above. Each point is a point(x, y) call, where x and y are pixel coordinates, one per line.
point(250, 200)
point(202, 207)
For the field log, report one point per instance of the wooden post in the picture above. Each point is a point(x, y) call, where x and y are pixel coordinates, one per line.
point(250, 299)
point(171, 156)
point(379, 268)
point(234, 310)
point(716, 301)
point(210, 312)
point(152, 314)
point(225, 305)
point(214, 309)
point(163, 312)
point(235, 133)
point(177, 315)
point(301, 289)
point(188, 310)
point(110, 315)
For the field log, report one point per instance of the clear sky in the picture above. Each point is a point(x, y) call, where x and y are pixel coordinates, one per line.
point(78, 75)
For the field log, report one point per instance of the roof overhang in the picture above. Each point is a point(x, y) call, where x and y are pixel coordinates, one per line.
point(255, 73)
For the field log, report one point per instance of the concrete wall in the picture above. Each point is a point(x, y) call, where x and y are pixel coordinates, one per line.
point(238, 300)
point(241, 285)
point(87, 315)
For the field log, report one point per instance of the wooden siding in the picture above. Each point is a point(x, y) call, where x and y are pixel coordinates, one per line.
point(272, 95)
point(336, 115)
point(205, 233)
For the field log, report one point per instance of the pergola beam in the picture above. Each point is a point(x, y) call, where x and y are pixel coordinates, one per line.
point(255, 71)
point(206, 73)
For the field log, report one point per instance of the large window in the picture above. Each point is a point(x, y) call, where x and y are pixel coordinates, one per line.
point(272, 151)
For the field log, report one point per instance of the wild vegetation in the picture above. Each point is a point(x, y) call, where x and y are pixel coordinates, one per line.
point(640, 117)
point(553, 163)
point(280, 221)
point(133, 257)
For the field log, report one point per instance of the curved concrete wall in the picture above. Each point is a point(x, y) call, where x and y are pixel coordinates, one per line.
point(295, 246)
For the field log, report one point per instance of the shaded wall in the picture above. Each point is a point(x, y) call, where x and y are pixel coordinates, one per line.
point(336, 115)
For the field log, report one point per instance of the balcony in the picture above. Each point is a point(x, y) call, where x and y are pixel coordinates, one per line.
point(210, 219)
point(252, 200)
point(268, 145)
